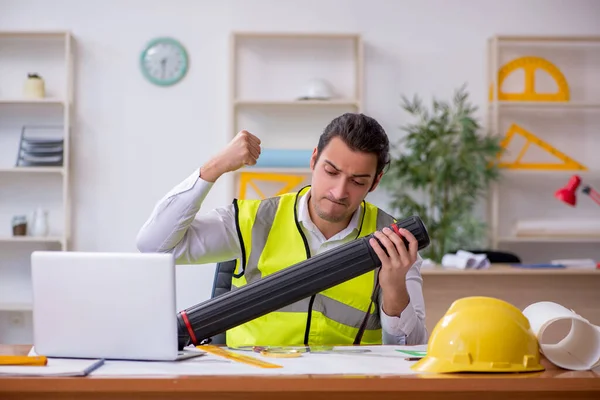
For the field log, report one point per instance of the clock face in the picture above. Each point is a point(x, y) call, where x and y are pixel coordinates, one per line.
point(164, 61)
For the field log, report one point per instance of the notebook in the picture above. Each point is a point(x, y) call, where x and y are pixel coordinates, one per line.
point(55, 367)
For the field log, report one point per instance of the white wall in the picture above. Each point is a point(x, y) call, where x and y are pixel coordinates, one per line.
point(134, 141)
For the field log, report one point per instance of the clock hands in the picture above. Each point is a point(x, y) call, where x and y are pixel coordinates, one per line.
point(163, 64)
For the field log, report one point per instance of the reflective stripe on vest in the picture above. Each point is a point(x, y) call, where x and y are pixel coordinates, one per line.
point(272, 240)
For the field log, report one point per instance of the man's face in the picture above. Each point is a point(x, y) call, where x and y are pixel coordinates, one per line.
point(341, 180)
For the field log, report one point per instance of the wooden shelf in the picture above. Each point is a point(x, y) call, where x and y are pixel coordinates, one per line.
point(267, 73)
point(296, 103)
point(33, 170)
point(31, 239)
point(275, 170)
point(52, 54)
point(550, 174)
point(549, 239)
point(575, 119)
point(296, 35)
point(545, 105)
point(504, 269)
point(546, 39)
point(5, 306)
point(34, 34)
point(18, 101)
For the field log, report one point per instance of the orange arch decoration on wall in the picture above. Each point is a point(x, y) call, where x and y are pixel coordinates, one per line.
point(529, 66)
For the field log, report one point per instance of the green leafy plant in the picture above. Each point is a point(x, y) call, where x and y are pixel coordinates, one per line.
point(440, 169)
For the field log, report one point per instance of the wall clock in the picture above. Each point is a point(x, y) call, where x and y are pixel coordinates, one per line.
point(164, 61)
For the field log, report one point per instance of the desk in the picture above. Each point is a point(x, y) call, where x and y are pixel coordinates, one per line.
point(576, 289)
point(554, 383)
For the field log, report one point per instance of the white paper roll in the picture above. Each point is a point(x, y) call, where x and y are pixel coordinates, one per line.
point(455, 261)
point(579, 350)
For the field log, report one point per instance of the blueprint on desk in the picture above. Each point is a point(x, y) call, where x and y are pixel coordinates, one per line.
point(380, 360)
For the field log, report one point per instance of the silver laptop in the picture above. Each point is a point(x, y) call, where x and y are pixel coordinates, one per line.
point(105, 305)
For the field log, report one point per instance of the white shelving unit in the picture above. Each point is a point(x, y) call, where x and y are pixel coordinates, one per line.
point(569, 123)
point(269, 73)
point(32, 101)
point(24, 189)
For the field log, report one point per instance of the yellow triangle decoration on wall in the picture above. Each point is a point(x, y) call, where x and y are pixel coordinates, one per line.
point(567, 162)
point(250, 179)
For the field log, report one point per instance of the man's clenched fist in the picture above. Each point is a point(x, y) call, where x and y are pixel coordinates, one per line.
point(244, 149)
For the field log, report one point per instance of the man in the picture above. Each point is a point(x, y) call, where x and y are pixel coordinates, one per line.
point(265, 236)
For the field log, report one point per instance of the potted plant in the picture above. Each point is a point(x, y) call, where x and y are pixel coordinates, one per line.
point(440, 170)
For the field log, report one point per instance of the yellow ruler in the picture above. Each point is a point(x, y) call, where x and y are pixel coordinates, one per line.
point(230, 355)
point(567, 162)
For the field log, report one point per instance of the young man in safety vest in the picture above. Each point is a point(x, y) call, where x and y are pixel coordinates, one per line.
point(268, 235)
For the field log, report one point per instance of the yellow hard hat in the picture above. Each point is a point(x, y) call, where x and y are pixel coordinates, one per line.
point(481, 334)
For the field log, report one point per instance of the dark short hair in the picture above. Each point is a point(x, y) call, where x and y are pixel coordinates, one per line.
point(360, 133)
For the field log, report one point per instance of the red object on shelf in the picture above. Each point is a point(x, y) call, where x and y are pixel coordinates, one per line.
point(567, 194)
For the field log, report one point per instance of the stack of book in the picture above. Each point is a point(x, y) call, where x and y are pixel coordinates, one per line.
point(42, 148)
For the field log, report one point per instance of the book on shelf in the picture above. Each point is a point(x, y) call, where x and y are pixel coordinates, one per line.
point(44, 148)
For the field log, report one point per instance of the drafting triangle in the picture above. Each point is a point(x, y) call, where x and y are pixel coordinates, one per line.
point(261, 185)
point(518, 143)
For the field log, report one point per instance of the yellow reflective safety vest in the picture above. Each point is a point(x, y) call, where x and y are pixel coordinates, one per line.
point(271, 239)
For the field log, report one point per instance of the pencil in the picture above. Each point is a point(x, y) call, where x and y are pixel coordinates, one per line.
point(24, 360)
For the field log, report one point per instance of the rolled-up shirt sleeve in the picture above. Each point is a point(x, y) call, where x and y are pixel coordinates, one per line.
point(409, 327)
point(177, 226)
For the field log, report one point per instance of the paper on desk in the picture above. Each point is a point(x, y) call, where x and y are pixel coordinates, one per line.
point(381, 360)
point(465, 260)
point(55, 367)
point(579, 350)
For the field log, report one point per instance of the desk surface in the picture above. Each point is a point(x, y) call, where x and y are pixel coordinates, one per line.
point(507, 269)
point(553, 383)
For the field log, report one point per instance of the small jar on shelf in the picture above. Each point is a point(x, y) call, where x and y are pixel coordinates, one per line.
point(34, 87)
point(19, 225)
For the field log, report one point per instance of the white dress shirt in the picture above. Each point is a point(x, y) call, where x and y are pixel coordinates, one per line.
point(176, 226)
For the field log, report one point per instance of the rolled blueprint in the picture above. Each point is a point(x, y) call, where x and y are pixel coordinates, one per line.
point(579, 350)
